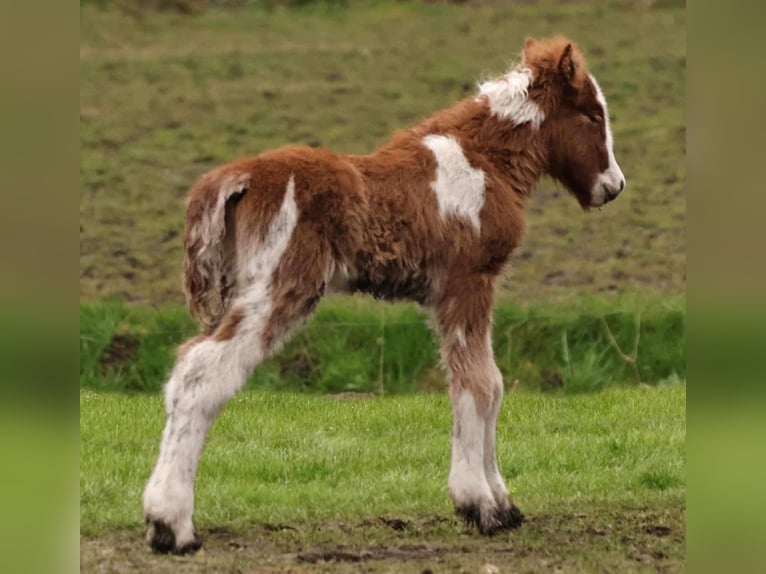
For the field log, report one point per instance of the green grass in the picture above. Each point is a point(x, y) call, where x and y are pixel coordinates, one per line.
point(355, 344)
point(282, 457)
point(593, 473)
point(166, 97)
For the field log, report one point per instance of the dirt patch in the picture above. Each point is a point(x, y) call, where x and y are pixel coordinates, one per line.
point(351, 396)
point(659, 530)
point(619, 540)
point(395, 523)
point(406, 552)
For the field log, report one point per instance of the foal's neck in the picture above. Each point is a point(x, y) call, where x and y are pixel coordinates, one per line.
point(516, 153)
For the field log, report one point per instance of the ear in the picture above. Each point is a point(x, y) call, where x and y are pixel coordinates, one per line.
point(529, 44)
point(567, 65)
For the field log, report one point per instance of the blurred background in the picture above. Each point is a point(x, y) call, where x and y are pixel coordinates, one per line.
point(165, 96)
point(169, 89)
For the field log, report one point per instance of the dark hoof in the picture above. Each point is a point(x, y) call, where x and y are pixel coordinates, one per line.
point(470, 515)
point(163, 540)
point(491, 523)
point(511, 518)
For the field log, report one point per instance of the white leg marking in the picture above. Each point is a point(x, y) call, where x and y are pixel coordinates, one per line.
point(508, 98)
point(459, 187)
point(612, 177)
point(491, 469)
point(208, 376)
point(467, 481)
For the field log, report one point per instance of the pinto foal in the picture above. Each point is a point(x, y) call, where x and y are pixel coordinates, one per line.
point(432, 216)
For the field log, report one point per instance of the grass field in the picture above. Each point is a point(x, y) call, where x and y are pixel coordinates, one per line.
point(323, 483)
point(165, 98)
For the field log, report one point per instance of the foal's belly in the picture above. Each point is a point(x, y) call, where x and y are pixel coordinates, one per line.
point(414, 286)
point(389, 282)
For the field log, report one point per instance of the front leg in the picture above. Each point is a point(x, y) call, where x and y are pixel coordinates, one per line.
point(511, 516)
point(468, 484)
point(475, 390)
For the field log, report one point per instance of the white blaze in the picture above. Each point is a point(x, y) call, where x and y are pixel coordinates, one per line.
point(612, 177)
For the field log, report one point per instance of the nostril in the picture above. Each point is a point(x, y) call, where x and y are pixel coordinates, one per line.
point(622, 184)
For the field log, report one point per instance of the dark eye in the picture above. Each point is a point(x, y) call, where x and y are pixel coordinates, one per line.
point(595, 118)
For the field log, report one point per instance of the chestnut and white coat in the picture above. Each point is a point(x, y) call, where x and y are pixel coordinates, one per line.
point(432, 217)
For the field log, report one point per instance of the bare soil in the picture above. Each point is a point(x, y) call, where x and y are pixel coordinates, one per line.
point(626, 540)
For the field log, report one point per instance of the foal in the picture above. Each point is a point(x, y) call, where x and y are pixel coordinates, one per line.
point(432, 217)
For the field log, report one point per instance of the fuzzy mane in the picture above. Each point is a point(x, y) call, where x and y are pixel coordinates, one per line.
point(508, 97)
point(524, 93)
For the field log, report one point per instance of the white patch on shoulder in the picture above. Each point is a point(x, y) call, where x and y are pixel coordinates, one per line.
point(459, 187)
point(508, 98)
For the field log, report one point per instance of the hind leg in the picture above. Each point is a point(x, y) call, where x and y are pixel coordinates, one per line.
point(208, 374)
point(209, 371)
point(203, 379)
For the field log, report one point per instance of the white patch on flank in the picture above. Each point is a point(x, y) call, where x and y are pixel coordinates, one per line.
point(508, 98)
point(459, 187)
point(211, 227)
point(258, 260)
point(611, 178)
point(208, 375)
point(209, 232)
point(467, 482)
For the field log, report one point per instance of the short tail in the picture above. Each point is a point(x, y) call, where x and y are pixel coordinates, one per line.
point(210, 257)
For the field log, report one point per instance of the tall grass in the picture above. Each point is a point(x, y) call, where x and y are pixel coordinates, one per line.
point(353, 345)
